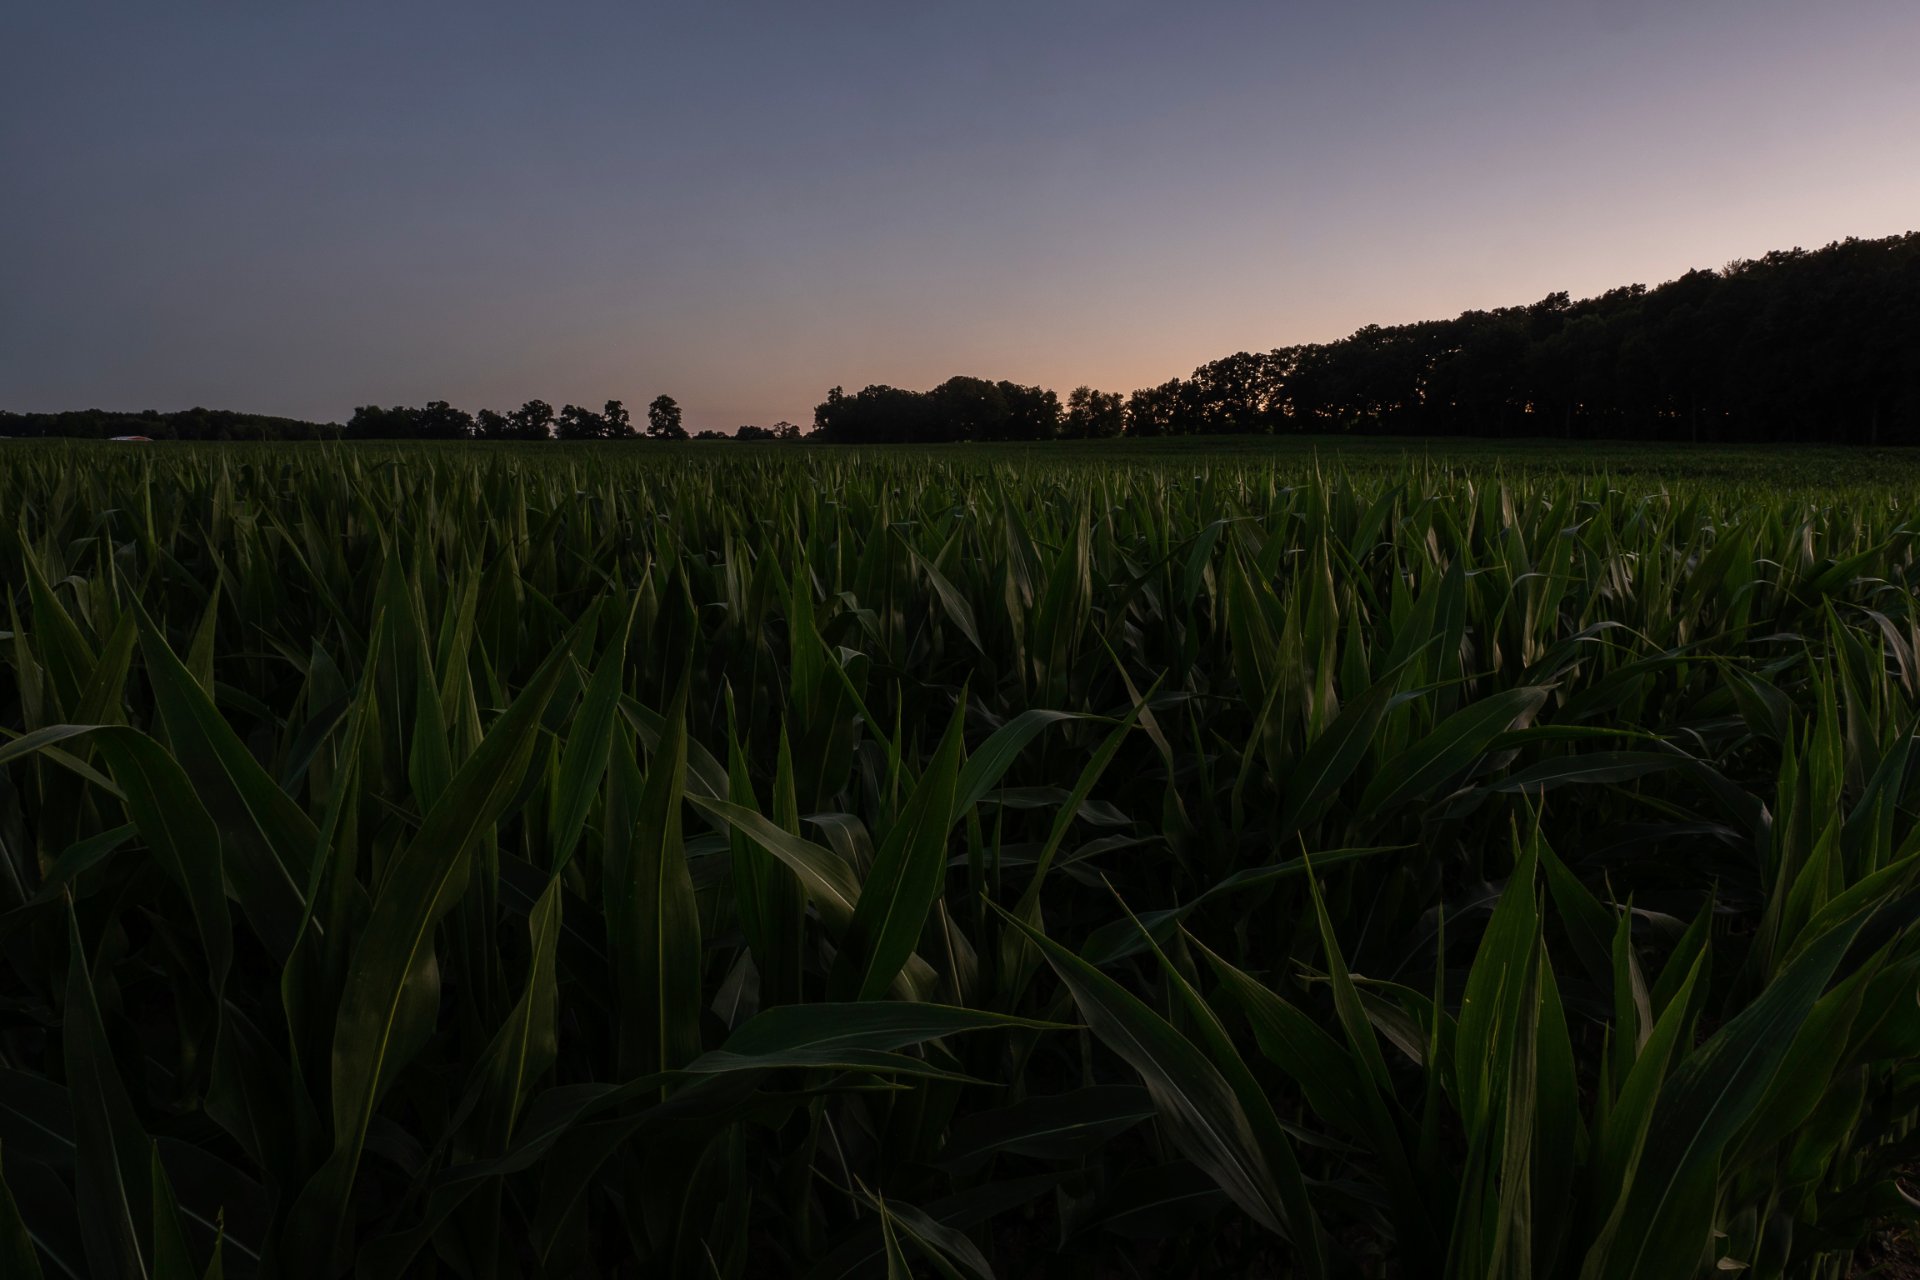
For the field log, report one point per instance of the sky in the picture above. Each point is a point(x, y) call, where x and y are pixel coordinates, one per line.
point(297, 208)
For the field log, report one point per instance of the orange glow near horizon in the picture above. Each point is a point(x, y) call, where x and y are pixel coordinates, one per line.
point(486, 204)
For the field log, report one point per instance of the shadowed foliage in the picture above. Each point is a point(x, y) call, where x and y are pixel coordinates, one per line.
point(493, 861)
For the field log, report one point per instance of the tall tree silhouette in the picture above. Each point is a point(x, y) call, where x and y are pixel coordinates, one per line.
point(663, 419)
point(615, 422)
point(532, 421)
point(1093, 415)
point(575, 423)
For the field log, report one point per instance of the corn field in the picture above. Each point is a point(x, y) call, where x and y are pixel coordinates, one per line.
point(494, 863)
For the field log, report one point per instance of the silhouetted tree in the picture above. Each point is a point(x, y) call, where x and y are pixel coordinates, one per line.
point(533, 421)
point(782, 430)
point(960, 408)
point(575, 423)
point(186, 424)
point(663, 420)
point(618, 426)
point(965, 409)
point(370, 422)
point(1228, 396)
point(441, 421)
point(1093, 415)
point(829, 411)
point(1032, 413)
point(1156, 411)
point(1795, 345)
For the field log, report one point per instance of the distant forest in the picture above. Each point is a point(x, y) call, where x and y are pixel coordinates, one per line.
point(185, 424)
point(1818, 346)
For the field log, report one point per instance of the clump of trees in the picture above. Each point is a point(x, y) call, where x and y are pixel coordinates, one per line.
point(663, 420)
point(435, 420)
point(957, 409)
point(185, 424)
point(1820, 346)
point(537, 420)
point(1092, 415)
point(534, 420)
point(781, 430)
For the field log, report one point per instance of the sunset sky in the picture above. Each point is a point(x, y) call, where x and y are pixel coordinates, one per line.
point(300, 208)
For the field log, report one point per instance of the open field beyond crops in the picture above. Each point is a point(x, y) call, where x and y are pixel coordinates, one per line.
point(1111, 860)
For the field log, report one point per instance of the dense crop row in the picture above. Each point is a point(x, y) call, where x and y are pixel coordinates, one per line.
point(454, 861)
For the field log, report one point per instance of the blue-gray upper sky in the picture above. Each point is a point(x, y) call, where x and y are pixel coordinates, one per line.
point(297, 208)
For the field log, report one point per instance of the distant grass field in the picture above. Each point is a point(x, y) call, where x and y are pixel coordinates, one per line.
point(1122, 858)
point(1792, 466)
point(1789, 466)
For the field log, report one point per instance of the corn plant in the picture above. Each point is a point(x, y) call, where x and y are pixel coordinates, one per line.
point(496, 862)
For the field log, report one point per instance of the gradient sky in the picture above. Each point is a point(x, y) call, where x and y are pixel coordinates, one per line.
point(298, 208)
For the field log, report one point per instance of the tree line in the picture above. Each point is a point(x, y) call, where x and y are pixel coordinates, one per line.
point(534, 420)
point(1798, 345)
point(436, 420)
point(538, 420)
point(1815, 346)
point(185, 424)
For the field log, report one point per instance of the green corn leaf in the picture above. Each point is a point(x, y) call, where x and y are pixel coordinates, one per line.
point(171, 1260)
point(991, 760)
point(1619, 1142)
point(1292, 1203)
point(1051, 1126)
point(653, 924)
point(866, 1037)
point(112, 1176)
point(1333, 756)
point(1496, 991)
point(1294, 1042)
point(523, 1050)
point(388, 1004)
point(952, 1255)
point(1589, 925)
point(906, 879)
point(952, 602)
point(1196, 1104)
point(829, 882)
point(1016, 958)
point(200, 653)
point(959, 1211)
point(1599, 768)
point(18, 1257)
point(583, 761)
point(1454, 743)
point(1368, 1069)
point(768, 895)
point(171, 821)
point(528, 1043)
point(101, 701)
point(1662, 1223)
point(69, 659)
point(270, 840)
